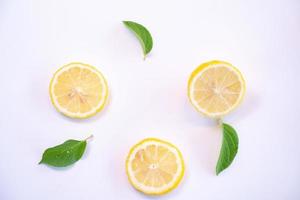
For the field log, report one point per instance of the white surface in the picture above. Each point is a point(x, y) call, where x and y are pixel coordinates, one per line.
point(148, 98)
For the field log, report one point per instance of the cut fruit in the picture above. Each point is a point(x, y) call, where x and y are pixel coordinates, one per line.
point(78, 90)
point(154, 166)
point(215, 88)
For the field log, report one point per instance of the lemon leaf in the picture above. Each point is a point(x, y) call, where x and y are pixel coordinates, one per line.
point(142, 34)
point(229, 148)
point(64, 154)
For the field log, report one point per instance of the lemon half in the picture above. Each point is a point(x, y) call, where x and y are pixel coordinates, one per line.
point(216, 88)
point(154, 166)
point(78, 90)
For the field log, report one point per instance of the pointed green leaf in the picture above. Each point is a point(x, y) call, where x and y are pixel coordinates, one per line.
point(142, 34)
point(64, 154)
point(229, 148)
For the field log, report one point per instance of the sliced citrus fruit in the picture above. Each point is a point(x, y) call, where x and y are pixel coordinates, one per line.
point(154, 166)
point(215, 88)
point(78, 90)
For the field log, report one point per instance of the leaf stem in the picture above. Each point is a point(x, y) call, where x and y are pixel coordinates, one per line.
point(219, 122)
point(89, 138)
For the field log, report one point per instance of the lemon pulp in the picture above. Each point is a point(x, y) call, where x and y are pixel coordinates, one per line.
point(78, 90)
point(215, 88)
point(154, 166)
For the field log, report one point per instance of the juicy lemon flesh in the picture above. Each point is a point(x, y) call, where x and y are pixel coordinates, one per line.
point(78, 90)
point(217, 89)
point(155, 169)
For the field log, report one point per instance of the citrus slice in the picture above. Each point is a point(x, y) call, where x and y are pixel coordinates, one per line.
point(78, 90)
point(154, 166)
point(215, 88)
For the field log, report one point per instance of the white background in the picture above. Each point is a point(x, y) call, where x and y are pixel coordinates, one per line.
point(148, 98)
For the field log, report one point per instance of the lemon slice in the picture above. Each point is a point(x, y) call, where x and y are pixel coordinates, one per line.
point(78, 90)
point(215, 88)
point(154, 166)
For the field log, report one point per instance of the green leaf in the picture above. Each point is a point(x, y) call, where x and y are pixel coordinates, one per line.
point(229, 148)
point(142, 34)
point(64, 154)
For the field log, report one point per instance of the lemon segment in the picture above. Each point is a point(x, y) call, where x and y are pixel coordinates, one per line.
point(154, 166)
point(78, 90)
point(216, 88)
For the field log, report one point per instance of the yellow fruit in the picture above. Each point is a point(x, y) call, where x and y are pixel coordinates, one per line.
point(154, 166)
point(215, 88)
point(78, 90)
